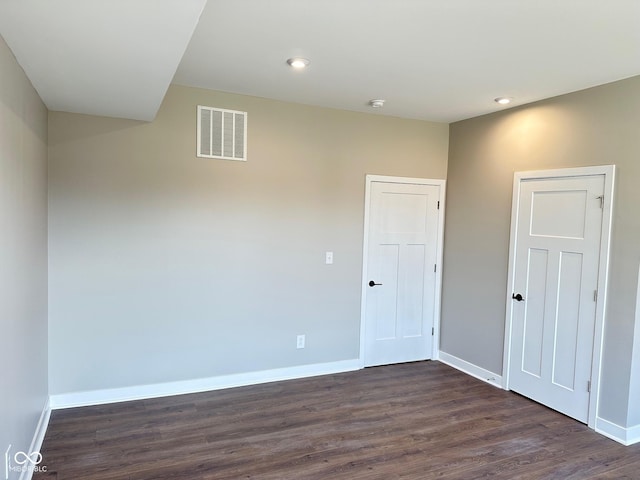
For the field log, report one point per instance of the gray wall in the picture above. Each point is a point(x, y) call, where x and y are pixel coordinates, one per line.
point(167, 267)
point(592, 127)
point(23, 256)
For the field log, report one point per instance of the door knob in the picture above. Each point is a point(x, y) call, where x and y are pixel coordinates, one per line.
point(517, 297)
point(373, 284)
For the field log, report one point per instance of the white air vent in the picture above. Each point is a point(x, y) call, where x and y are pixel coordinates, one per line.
point(222, 133)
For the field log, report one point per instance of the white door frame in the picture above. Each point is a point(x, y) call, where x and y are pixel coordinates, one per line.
point(603, 268)
point(439, 248)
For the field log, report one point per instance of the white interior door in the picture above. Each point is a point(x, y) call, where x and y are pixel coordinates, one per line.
point(400, 279)
point(555, 271)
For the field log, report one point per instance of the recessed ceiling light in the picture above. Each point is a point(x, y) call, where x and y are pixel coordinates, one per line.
point(298, 62)
point(377, 103)
point(503, 100)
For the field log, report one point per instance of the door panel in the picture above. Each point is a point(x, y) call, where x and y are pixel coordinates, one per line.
point(412, 291)
point(534, 315)
point(567, 323)
point(553, 214)
point(557, 254)
point(402, 246)
point(383, 302)
point(402, 212)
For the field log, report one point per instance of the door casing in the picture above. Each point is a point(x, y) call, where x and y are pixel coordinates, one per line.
point(439, 253)
point(609, 176)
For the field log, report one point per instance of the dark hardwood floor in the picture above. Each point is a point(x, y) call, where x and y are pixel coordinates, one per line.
point(412, 421)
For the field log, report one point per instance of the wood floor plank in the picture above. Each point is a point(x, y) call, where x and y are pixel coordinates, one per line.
point(420, 420)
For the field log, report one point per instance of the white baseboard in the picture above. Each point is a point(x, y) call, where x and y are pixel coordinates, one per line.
point(140, 392)
point(38, 438)
point(633, 435)
point(471, 369)
point(611, 430)
point(624, 435)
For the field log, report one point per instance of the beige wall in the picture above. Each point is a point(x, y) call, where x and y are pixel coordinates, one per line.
point(23, 256)
point(166, 267)
point(592, 127)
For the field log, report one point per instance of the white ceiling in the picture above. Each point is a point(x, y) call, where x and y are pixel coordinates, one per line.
point(103, 57)
point(440, 60)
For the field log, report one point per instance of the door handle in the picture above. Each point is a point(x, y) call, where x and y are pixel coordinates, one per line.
point(517, 297)
point(373, 284)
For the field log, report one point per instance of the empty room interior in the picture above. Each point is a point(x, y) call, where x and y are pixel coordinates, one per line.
point(319, 239)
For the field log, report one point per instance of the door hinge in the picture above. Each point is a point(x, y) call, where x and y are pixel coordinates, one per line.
point(433, 330)
point(438, 204)
point(601, 198)
point(589, 386)
point(595, 295)
point(435, 265)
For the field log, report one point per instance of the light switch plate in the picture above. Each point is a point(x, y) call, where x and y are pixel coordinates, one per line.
point(328, 258)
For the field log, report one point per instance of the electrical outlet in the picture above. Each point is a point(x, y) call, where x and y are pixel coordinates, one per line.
point(300, 341)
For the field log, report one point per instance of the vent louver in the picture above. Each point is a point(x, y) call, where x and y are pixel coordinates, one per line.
point(222, 133)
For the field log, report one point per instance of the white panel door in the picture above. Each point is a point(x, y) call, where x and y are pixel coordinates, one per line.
point(555, 271)
point(401, 284)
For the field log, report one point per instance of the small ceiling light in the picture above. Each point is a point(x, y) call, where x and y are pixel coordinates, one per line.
point(503, 100)
point(298, 62)
point(377, 103)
